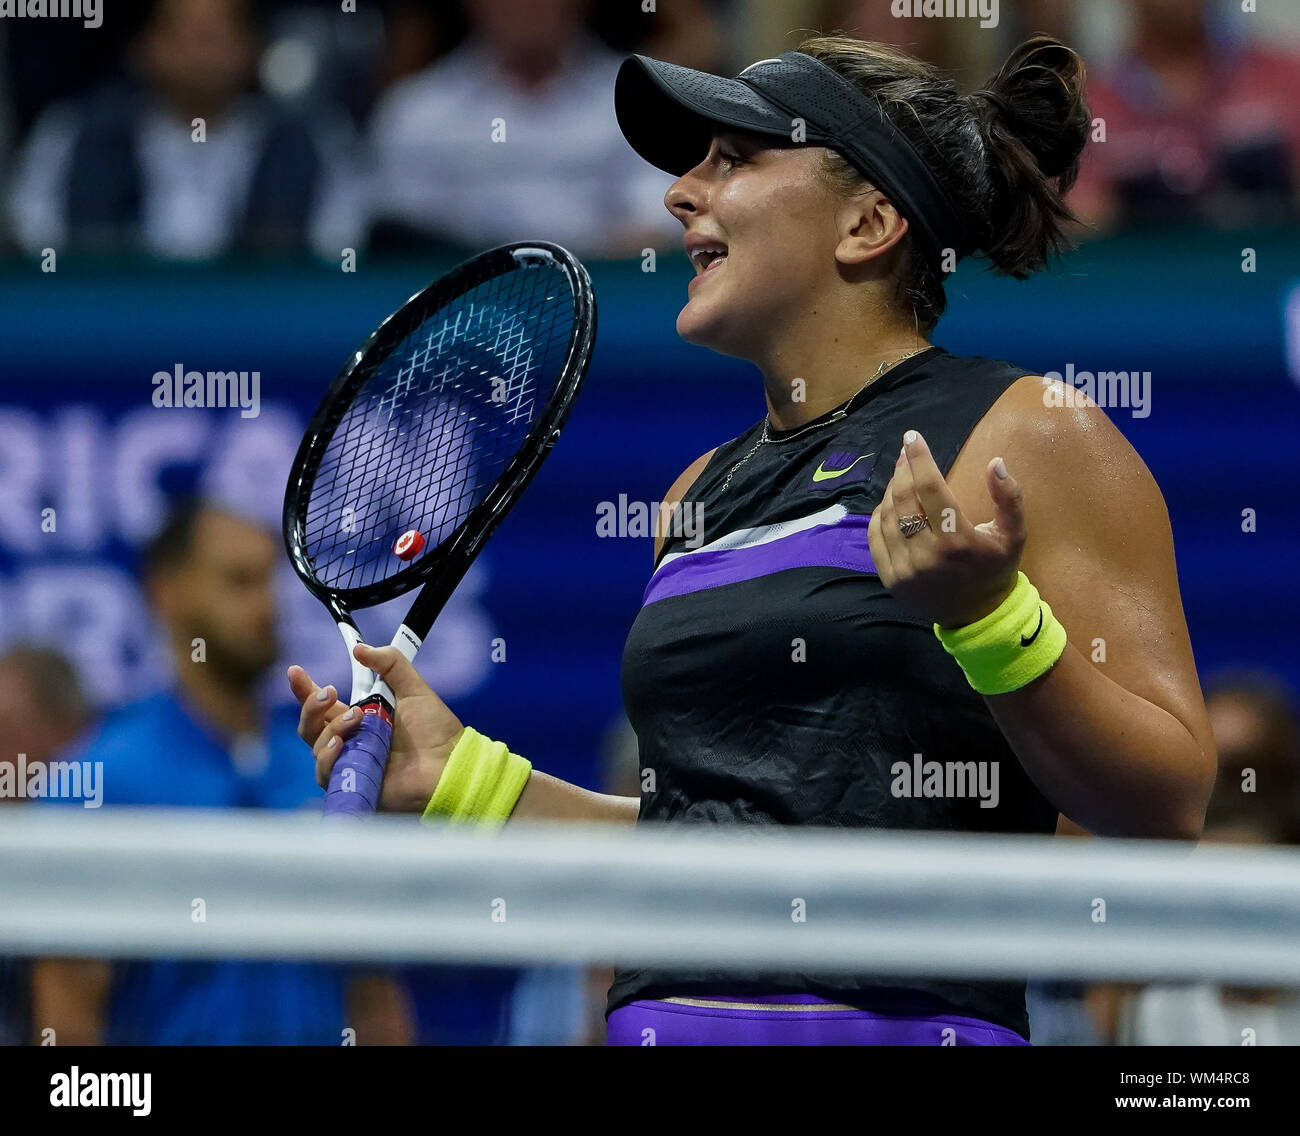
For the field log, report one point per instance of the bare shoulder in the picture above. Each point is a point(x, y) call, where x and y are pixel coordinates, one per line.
point(1100, 547)
point(677, 491)
point(1075, 464)
point(688, 477)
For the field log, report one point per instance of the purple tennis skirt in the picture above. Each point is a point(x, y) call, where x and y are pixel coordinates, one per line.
point(789, 1019)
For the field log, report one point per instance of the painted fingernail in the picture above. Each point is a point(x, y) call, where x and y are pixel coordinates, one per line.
point(910, 437)
point(1000, 468)
point(332, 742)
point(349, 715)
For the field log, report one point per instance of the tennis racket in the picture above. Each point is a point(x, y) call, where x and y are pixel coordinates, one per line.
point(421, 446)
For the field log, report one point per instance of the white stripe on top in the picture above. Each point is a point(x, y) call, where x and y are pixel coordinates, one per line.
point(764, 534)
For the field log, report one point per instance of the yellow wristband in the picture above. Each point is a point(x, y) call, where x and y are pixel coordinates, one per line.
point(1011, 646)
point(481, 782)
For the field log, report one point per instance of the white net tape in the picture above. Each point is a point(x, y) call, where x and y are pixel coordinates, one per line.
point(131, 884)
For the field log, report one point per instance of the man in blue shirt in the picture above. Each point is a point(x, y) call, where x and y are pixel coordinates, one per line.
point(207, 742)
point(32, 675)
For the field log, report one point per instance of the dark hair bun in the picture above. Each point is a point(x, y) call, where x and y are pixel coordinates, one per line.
point(1034, 124)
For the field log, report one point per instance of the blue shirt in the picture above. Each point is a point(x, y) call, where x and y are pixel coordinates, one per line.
point(157, 752)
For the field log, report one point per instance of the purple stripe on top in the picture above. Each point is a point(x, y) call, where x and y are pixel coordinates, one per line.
point(839, 545)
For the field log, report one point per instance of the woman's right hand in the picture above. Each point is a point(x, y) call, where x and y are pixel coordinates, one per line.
point(424, 730)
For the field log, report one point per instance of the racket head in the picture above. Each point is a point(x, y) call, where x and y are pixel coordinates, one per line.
point(449, 461)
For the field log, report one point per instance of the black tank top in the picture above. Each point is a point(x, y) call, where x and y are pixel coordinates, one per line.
point(771, 678)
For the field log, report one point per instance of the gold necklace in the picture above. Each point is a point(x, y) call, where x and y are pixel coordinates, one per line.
point(842, 412)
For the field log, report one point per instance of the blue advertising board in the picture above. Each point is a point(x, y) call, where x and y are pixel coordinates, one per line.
point(529, 648)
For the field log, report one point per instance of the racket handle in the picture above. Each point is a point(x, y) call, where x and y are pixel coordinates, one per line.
point(359, 771)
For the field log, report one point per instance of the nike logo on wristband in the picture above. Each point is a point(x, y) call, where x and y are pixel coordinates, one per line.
point(1025, 642)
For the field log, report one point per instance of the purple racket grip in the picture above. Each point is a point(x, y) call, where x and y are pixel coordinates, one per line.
point(359, 771)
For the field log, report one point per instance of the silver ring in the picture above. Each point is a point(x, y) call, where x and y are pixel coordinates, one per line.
point(913, 523)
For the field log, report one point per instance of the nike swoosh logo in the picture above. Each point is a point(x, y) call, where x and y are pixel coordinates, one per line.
point(1025, 642)
point(821, 473)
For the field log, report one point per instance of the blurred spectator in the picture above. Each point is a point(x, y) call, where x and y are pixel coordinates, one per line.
point(565, 1005)
point(206, 742)
point(1254, 802)
point(461, 1005)
point(416, 34)
point(1058, 1013)
point(44, 709)
point(1054, 17)
point(957, 45)
point(1058, 1007)
point(1204, 1013)
point(550, 1007)
point(685, 32)
point(45, 61)
point(127, 167)
point(1201, 123)
point(513, 136)
point(1256, 730)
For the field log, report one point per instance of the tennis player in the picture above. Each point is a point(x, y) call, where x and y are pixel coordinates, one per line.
point(915, 561)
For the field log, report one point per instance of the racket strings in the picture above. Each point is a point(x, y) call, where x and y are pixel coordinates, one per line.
point(436, 423)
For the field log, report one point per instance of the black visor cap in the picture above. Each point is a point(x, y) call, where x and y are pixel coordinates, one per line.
point(668, 113)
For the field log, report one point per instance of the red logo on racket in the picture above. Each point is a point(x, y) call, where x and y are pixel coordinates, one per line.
point(408, 545)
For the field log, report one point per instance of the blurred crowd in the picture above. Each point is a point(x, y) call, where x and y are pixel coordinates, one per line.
point(204, 740)
point(192, 129)
point(197, 129)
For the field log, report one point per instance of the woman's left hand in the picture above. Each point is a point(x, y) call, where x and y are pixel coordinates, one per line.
point(951, 572)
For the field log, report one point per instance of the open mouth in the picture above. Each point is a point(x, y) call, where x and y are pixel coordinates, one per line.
point(708, 259)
